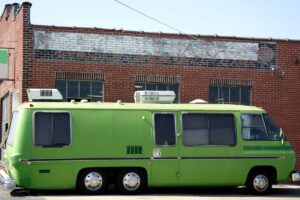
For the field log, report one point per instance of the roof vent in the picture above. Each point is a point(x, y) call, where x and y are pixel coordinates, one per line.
point(154, 96)
point(44, 95)
point(198, 101)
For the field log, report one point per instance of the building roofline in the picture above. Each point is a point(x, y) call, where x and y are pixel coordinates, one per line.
point(16, 5)
point(120, 30)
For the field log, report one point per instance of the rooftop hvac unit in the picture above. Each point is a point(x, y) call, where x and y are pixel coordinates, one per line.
point(44, 95)
point(154, 96)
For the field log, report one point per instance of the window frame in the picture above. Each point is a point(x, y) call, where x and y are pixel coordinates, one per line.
point(51, 111)
point(210, 145)
point(79, 87)
point(219, 87)
point(175, 124)
point(264, 126)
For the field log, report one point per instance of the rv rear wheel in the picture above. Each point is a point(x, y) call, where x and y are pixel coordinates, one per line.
point(131, 181)
point(92, 181)
point(259, 183)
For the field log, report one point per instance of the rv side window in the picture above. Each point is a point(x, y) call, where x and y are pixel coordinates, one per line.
point(208, 129)
point(165, 131)
point(253, 127)
point(52, 129)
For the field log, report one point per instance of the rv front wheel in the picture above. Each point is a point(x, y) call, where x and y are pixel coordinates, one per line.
point(92, 181)
point(259, 183)
point(131, 181)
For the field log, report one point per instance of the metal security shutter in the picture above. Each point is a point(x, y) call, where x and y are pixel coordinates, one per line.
point(5, 116)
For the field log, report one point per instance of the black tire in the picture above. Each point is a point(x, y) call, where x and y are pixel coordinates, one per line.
point(259, 183)
point(139, 181)
point(86, 185)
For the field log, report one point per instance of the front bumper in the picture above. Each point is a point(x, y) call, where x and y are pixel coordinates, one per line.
point(296, 176)
point(5, 181)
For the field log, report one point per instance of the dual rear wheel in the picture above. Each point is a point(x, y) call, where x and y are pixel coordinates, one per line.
point(95, 181)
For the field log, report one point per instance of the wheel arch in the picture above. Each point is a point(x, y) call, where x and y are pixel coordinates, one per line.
point(270, 170)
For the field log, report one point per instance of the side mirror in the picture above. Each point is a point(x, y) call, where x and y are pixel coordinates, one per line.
point(283, 138)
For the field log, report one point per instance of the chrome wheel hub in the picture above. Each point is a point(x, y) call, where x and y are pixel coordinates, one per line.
point(93, 181)
point(131, 181)
point(260, 183)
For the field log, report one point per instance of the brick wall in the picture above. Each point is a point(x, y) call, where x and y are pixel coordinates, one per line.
point(12, 37)
point(121, 58)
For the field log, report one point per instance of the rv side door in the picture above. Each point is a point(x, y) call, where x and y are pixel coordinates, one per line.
point(165, 150)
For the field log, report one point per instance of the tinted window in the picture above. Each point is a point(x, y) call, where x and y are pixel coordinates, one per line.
point(12, 129)
point(165, 133)
point(253, 127)
point(52, 129)
point(245, 95)
point(221, 129)
point(195, 129)
point(208, 129)
point(85, 88)
point(224, 94)
point(213, 94)
point(73, 89)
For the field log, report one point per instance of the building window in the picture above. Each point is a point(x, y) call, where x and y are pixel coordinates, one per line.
point(253, 127)
point(52, 129)
point(159, 86)
point(80, 89)
point(165, 131)
point(230, 94)
point(208, 129)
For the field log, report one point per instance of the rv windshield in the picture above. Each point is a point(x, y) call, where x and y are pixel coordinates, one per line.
point(12, 129)
point(272, 128)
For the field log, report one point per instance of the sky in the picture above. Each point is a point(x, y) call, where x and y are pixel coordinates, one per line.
point(242, 18)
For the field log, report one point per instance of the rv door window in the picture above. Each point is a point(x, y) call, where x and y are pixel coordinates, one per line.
point(253, 127)
point(52, 129)
point(165, 131)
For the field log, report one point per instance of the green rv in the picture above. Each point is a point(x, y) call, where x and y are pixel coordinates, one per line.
point(87, 146)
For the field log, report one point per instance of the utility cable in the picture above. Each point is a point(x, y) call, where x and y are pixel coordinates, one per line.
point(156, 20)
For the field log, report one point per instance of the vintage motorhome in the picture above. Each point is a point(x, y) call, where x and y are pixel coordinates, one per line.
point(82, 145)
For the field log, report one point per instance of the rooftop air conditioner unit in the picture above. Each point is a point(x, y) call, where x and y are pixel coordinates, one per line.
point(154, 96)
point(44, 95)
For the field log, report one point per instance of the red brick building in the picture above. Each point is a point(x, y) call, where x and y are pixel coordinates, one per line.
point(108, 65)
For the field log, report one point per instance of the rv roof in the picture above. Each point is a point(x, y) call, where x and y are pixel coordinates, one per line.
point(135, 106)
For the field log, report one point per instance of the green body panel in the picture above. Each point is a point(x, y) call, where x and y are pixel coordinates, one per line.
point(121, 135)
